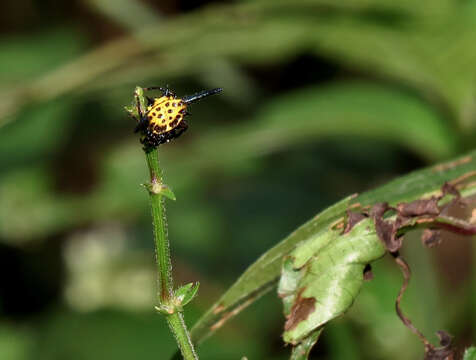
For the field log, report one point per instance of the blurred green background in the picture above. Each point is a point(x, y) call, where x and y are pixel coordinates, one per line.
point(321, 99)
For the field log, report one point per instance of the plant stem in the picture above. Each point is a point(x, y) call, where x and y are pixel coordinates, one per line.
point(162, 251)
point(166, 298)
point(182, 336)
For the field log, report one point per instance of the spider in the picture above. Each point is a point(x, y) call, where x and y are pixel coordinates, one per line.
point(163, 120)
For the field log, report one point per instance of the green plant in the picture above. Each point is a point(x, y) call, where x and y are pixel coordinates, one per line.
point(170, 301)
point(324, 263)
point(323, 99)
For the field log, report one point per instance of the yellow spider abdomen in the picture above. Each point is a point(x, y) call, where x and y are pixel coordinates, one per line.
point(165, 114)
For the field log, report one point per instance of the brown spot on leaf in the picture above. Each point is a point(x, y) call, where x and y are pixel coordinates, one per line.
point(352, 219)
point(431, 238)
point(386, 230)
point(379, 209)
point(300, 311)
point(419, 207)
point(451, 189)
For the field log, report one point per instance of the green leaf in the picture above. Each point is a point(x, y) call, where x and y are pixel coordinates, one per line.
point(358, 109)
point(470, 353)
point(161, 189)
point(329, 269)
point(167, 192)
point(186, 293)
point(263, 275)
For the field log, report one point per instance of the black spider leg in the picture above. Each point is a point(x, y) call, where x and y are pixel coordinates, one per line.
point(181, 128)
point(173, 134)
point(200, 95)
point(165, 91)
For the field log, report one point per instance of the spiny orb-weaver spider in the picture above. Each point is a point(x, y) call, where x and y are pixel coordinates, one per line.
point(163, 120)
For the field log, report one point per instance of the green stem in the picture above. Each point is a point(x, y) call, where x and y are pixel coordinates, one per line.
point(159, 221)
point(166, 299)
point(182, 336)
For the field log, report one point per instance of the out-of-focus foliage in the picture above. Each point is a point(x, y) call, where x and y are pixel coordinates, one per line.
point(470, 354)
point(322, 99)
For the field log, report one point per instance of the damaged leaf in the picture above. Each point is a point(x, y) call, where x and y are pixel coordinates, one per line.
point(419, 207)
point(386, 230)
point(425, 211)
point(322, 276)
point(300, 311)
point(263, 275)
point(327, 272)
point(352, 219)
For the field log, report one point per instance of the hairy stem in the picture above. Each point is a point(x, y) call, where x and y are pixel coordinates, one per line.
point(182, 336)
point(159, 221)
point(166, 298)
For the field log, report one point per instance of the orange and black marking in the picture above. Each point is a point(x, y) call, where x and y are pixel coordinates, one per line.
point(164, 118)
